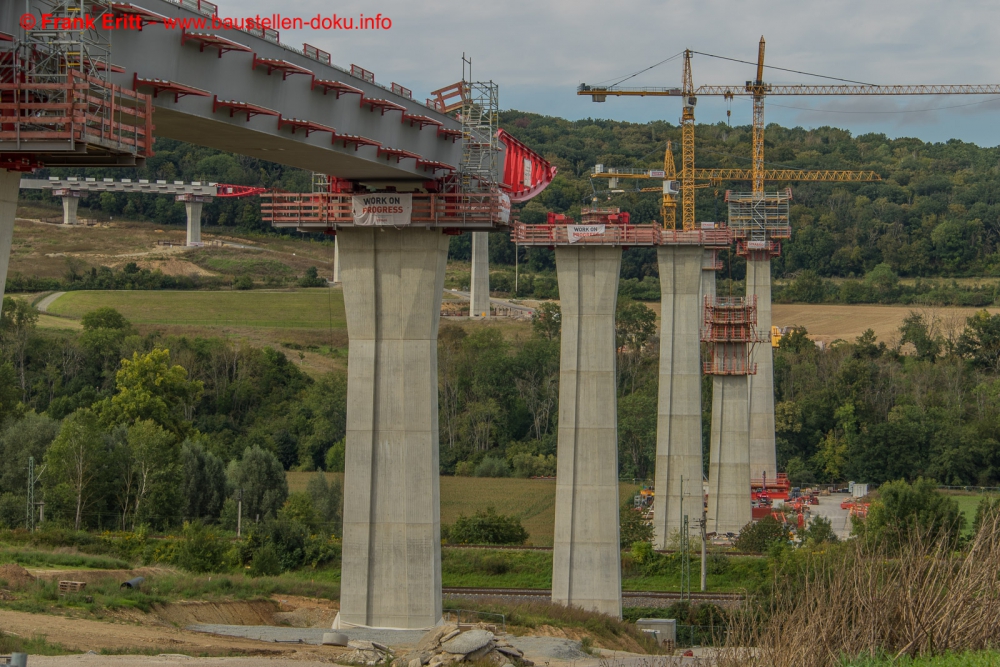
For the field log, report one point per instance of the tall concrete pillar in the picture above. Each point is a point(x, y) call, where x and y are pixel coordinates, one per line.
point(763, 458)
point(479, 285)
point(729, 456)
point(391, 569)
point(678, 424)
point(336, 260)
point(708, 269)
point(10, 182)
point(193, 209)
point(586, 558)
point(70, 204)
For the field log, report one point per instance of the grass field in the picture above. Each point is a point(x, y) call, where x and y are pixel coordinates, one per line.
point(967, 504)
point(534, 500)
point(315, 308)
point(968, 659)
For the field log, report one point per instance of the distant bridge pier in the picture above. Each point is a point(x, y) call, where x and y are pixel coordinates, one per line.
point(763, 456)
point(479, 284)
point(70, 203)
point(586, 559)
point(336, 260)
point(9, 184)
point(193, 205)
point(709, 266)
point(393, 282)
point(678, 429)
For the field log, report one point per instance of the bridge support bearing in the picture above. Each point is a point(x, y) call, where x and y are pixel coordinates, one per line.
point(193, 209)
point(391, 572)
point(678, 429)
point(10, 182)
point(479, 285)
point(586, 559)
point(70, 205)
point(763, 457)
point(729, 456)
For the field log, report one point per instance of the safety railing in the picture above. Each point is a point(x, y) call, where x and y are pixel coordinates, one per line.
point(560, 234)
point(289, 209)
point(82, 109)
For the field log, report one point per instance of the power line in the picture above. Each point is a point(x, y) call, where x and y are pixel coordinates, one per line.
point(783, 69)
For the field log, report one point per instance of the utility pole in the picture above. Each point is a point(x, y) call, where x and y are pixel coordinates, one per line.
point(685, 550)
point(704, 549)
point(239, 513)
point(30, 518)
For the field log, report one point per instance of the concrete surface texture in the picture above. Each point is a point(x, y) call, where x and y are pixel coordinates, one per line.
point(70, 205)
point(479, 285)
point(391, 571)
point(708, 275)
point(729, 456)
point(763, 457)
point(678, 429)
point(193, 209)
point(9, 182)
point(336, 260)
point(586, 560)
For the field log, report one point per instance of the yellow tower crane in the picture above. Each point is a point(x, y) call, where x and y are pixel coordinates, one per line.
point(758, 89)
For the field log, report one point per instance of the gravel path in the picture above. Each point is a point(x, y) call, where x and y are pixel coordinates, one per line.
point(43, 305)
point(270, 633)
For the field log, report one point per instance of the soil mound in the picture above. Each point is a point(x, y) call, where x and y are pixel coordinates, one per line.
point(183, 614)
point(15, 576)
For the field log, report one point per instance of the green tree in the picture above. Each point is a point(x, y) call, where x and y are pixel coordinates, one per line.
point(979, 342)
point(918, 331)
point(487, 527)
point(261, 479)
point(757, 537)
point(17, 325)
point(546, 320)
point(148, 387)
point(632, 527)
point(76, 459)
point(105, 318)
point(153, 457)
point(202, 484)
point(904, 511)
point(27, 437)
point(987, 514)
point(328, 501)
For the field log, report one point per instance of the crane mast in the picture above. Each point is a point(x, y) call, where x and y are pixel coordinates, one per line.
point(687, 145)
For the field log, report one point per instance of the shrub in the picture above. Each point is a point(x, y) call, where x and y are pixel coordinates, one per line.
point(527, 465)
point(244, 282)
point(312, 279)
point(633, 528)
point(201, 550)
point(903, 510)
point(487, 527)
point(758, 536)
point(265, 562)
point(492, 467)
point(465, 469)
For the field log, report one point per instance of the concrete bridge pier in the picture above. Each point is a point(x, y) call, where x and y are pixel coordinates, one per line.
point(193, 209)
point(708, 269)
point(678, 429)
point(586, 559)
point(479, 285)
point(9, 184)
point(336, 260)
point(763, 456)
point(729, 456)
point(70, 203)
point(391, 569)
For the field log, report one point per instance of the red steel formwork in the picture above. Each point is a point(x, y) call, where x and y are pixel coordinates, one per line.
point(730, 327)
point(327, 210)
point(83, 120)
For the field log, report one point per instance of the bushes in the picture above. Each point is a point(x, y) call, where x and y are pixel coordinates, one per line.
point(757, 537)
point(492, 467)
point(633, 528)
point(527, 465)
point(486, 527)
point(201, 550)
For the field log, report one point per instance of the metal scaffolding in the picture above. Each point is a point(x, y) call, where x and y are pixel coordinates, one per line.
point(479, 170)
point(759, 217)
point(730, 326)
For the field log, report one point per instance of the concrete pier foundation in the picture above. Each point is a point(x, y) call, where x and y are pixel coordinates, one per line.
point(70, 205)
point(391, 570)
point(9, 184)
point(193, 210)
point(729, 456)
point(763, 457)
point(479, 285)
point(678, 429)
point(586, 567)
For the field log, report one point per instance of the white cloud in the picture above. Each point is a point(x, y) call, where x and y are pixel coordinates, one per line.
point(539, 50)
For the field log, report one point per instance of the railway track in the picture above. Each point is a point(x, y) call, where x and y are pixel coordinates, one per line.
point(655, 598)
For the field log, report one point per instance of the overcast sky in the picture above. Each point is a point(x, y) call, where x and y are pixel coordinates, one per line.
point(540, 50)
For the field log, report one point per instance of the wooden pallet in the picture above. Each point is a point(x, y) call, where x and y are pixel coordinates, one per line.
point(72, 586)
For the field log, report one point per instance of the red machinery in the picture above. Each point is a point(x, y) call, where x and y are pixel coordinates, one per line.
point(776, 489)
point(525, 172)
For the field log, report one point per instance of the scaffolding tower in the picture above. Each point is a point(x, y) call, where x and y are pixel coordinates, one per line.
point(730, 327)
point(757, 217)
point(479, 169)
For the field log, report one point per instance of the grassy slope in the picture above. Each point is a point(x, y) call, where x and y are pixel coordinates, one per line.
point(532, 499)
point(969, 659)
point(967, 504)
point(302, 308)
